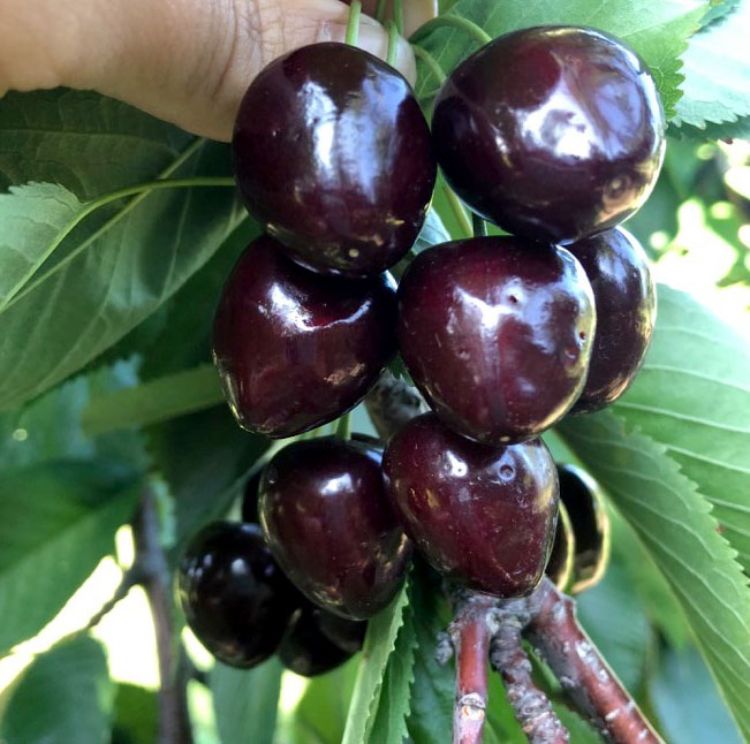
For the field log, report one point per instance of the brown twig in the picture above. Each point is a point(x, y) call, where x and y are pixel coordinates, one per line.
point(470, 632)
point(174, 720)
point(531, 706)
point(585, 676)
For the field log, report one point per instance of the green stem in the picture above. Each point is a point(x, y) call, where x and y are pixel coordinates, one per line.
point(432, 64)
point(139, 190)
point(452, 21)
point(458, 210)
point(380, 11)
point(344, 428)
point(392, 43)
point(479, 226)
point(352, 25)
point(398, 15)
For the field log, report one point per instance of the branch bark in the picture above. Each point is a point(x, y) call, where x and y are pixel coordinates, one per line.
point(531, 706)
point(174, 719)
point(590, 683)
point(470, 632)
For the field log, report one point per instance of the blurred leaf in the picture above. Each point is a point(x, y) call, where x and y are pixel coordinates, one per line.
point(686, 701)
point(380, 641)
point(320, 717)
point(693, 396)
point(717, 70)
point(658, 214)
point(65, 696)
point(245, 702)
point(657, 31)
point(718, 9)
point(155, 401)
point(32, 216)
point(49, 428)
point(617, 625)
point(106, 283)
point(136, 715)
point(681, 536)
point(394, 703)
point(203, 458)
point(57, 521)
point(87, 143)
point(433, 232)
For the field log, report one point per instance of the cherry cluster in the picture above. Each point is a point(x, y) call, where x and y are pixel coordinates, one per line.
point(555, 135)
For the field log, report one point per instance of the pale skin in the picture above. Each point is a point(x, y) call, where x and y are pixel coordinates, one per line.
point(185, 61)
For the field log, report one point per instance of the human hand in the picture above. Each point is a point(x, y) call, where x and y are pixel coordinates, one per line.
point(186, 61)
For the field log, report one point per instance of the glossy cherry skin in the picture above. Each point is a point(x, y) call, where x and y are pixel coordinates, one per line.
point(308, 651)
point(329, 524)
point(235, 598)
point(553, 133)
point(295, 350)
point(561, 560)
point(484, 516)
point(625, 296)
point(497, 334)
point(333, 154)
point(589, 520)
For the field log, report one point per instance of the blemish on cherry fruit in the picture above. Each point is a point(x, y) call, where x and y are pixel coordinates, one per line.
point(582, 335)
point(513, 299)
point(506, 472)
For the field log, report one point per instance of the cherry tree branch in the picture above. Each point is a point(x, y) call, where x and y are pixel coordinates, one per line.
point(155, 577)
point(590, 683)
point(471, 631)
point(531, 705)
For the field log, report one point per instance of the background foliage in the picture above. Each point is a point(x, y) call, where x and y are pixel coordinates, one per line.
point(106, 300)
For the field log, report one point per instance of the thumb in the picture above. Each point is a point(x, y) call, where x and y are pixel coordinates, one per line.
point(186, 61)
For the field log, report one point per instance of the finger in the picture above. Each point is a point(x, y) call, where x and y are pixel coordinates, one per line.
point(185, 61)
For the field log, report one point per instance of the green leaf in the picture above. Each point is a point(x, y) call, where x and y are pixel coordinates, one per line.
point(87, 143)
point(155, 401)
point(32, 216)
point(320, 717)
point(657, 31)
point(245, 702)
point(433, 232)
point(382, 632)
point(680, 681)
point(617, 625)
point(693, 396)
point(99, 285)
point(57, 521)
point(136, 715)
point(718, 9)
point(717, 70)
point(64, 696)
point(682, 537)
point(394, 703)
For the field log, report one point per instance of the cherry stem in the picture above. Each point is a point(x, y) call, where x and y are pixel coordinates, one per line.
point(479, 226)
point(392, 43)
point(471, 631)
point(531, 706)
point(450, 20)
point(431, 63)
point(585, 676)
point(398, 15)
point(174, 719)
point(352, 24)
point(380, 11)
point(344, 427)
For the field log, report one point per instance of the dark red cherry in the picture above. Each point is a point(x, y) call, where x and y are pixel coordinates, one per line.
point(235, 598)
point(484, 516)
point(308, 651)
point(327, 520)
point(618, 269)
point(295, 350)
point(497, 334)
point(553, 133)
point(333, 154)
point(589, 520)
